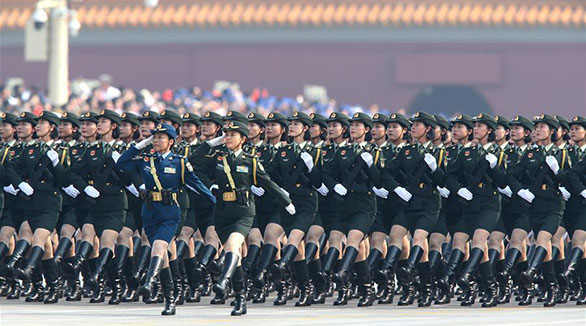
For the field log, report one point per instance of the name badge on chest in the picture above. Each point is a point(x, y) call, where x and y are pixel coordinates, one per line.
point(169, 170)
point(242, 169)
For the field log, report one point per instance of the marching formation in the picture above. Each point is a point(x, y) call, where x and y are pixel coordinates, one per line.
point(168, 209)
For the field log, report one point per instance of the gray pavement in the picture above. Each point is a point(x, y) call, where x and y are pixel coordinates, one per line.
point(20, 313)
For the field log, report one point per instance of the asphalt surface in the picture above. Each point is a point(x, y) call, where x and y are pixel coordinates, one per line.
point(20, 313)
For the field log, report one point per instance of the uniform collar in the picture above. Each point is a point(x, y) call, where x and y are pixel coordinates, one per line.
point(72, 142)
point(236, 153)
point(164, 156)
point(302, 144)
point(194, 142)
point(563, 145)
point(50, 143)
point(548, 147)
point(32, 142)
point(258, 144)
point(468, 144)
point(523, 148)
point(111, 143)
point(582, 148)
point(487, 146)
point(381, 145)
point(401, 145)
point(504, 145)
point(319, 144)
point(11, 143)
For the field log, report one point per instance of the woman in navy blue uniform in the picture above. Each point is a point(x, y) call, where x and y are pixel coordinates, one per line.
point(163, 173)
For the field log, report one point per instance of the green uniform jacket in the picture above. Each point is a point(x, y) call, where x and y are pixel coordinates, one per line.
point(577, 180)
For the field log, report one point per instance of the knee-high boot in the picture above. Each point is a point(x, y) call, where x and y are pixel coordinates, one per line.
point(33, 261)
point(153, 272)
point(168, 289)
point(52, 278)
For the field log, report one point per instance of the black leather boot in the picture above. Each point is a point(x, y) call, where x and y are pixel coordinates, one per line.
point(528, 277)
point(386, 271)
point(194, 286)
point(147, 288)
point(446, 283)
point(177, 281)
point(504, 276)
point(207, 255)
point(267, 255)
point(318, 283)
point(37, 292)
point(117, 274)
point(302, 277)
point(408, 295)
point(476, 255)
point(62, 249)
point(142, 262)
point(574, 262)
point(230, 263)
point(99, 294)
point(20, 250)
point(3, 249)
point(15, 289)
point(373, 259)
point(74, 293)
point(366, 287)
point(310, 251)
point(281, 287)
point(239, 288)
point(406, 273)
point(51, 276)
point(168, 289)
point(102, 264)
point(425, 297)
point(32, 263)
point(83, 251)
point(343, 297)
point(491, 295)
point(388, 292)
point(289, 253)
point(131, 294)
point(341, 276)
point(551, 287)
point(251, 260)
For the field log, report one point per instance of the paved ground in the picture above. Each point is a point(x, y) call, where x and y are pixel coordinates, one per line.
point(20, 313)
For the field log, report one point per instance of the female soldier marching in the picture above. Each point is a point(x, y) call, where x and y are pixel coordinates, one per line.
point(163, 173)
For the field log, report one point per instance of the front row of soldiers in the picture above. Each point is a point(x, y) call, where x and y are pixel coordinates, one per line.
point(172, 208)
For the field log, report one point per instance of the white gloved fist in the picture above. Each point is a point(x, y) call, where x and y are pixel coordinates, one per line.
point(144, 143)
point(71, 191)
point(367, 158)
point(583, 193)
point(465, 193)
point(214, 187)
point(506, 191)
point(526, 194)
point(381, 192)
point(565, 193)
point(340, 190)
point(259, 191)
point(444, 192)
point(216, 141)
point(308, 160)
point(430, 161)
point(116, 156)
point(10, 189)
point(53, 156)
point(553, 164)
point(91, 191)
point(26, 188)
point(403, 193)
point(132, 189)
point(323, 190)
point(290, 209)
point(285, 191)
point(492, 160)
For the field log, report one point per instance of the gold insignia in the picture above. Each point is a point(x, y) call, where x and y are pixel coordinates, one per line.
point(87, 115)
point(575, 118)
point(416, 115)
point(480, 116)
point(123, 115)
point(251, 115)
point(64, 115)
point(311, 115)
point(376, 116)
point(207, 115)
point(295, 114)
point(496, 118)
point(356, 115)
point(516, 118)
point(333, 115)
point(459, 117)
point(186, 115)
point(2, 115)
point(542, 116)
point(22, 115)
point(103, 111)
point(42, 114)
point(393, 116)
point(163, 113)
point(271, 116)
point(146, 114)
point(229, 114)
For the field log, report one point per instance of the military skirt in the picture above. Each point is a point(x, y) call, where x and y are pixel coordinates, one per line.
point(357, 212)
point(575, 214)
point(306, 208)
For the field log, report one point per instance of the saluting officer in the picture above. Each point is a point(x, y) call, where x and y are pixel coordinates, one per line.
point(163, 174)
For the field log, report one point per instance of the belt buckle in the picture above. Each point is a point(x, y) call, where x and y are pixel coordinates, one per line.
point(156, 196)
point(90, 182)
point(544, 186)
point(229, 196)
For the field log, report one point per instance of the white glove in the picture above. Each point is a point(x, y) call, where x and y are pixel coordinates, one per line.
point(10, 189)
point(92, 192)
point(308, 160)
point(583, 193)
point(285, 191)
point(26, 188)
point(367, 158)
point(144, 143)
point(430, 161)
point(444, 192)
point(323, 190)
point(71, 191)
point(526, 194)
point(259, 191)
point(53, 156)
point(214, 187)
point(506, 191)
point(381, 192)
point(565, 193)
point(132, 189)
point(142, 187)
point(340, 190)
point(116, 156)
point(492, 160)
point(553, 164)
point(290, 209)
point(465, 193)
point(403, 193)
point(216, 141)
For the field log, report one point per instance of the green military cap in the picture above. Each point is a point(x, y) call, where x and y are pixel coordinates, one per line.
point(463, 119)
point(426, 118)
point(235, 116)
point(503, 121)
point(89, 116)
point(362, 117)
point(548, 119)
point(50, 116)
point(71, 117)
point(171, 115)
point(192, 118)
point(380, 118)
point(257, 118)
point(400, 119)
point(522, 121)
point(578, 120)
point(213, 117)
point(9, 118)
point(149, 115)
point(278, 117)
point(28, 117)
point(111, 115)
point(487, 119)
point(303, 117)
point(563, 122)
point(130, 118)
point(339, 117)
point(441, 121)
point(319, 119)
point(236, 125)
